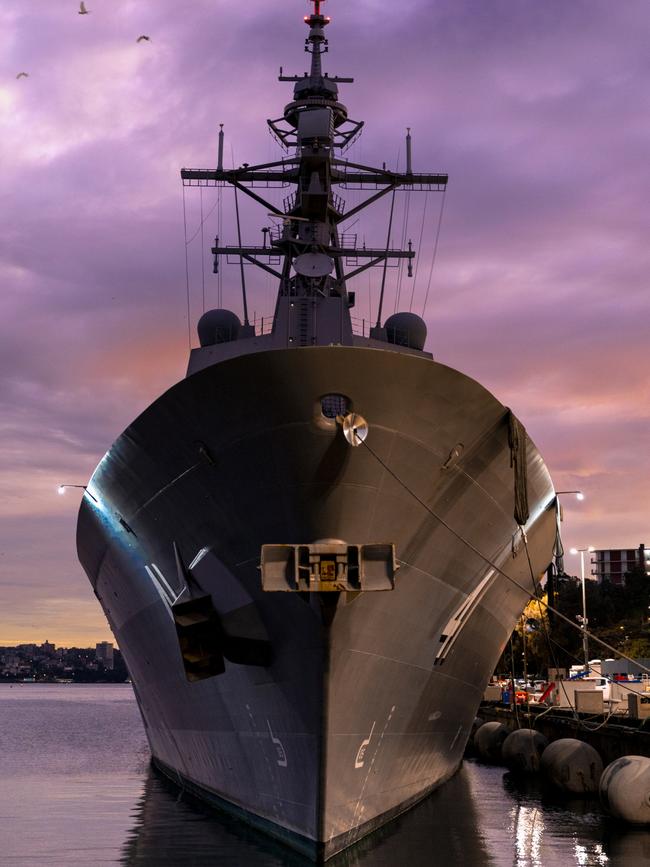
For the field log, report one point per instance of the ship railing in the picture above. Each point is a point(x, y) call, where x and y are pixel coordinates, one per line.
point(418, 183)
point(212, 182)
point(286, 231)
point(289, 202)
point(361, 327)
point(272, 257)
point(262, 325)
point(398, 336)
point(338, 203)
point(273, 180)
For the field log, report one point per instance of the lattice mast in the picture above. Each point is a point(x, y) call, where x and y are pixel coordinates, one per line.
point(313, 128)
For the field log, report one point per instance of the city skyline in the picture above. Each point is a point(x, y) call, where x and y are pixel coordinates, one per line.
point(539, 290)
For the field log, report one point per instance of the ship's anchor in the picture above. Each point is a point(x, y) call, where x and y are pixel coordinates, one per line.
point(355, 428)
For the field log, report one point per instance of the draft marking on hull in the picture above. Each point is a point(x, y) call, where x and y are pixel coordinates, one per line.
point(358, 763)
point(281, 756)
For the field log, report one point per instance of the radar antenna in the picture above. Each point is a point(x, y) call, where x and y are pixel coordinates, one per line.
point(312, 251)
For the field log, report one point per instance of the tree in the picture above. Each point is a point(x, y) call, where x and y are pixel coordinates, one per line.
point(637, 592)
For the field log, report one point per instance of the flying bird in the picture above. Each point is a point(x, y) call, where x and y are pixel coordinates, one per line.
point(23, 75)
point(82, 9)
point(143, 39)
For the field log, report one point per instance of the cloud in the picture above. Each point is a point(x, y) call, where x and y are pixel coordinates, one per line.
point(539, 112)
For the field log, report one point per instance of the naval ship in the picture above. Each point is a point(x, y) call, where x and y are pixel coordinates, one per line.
point(312, 550)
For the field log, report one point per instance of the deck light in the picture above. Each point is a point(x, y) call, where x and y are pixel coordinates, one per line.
point(61, 490)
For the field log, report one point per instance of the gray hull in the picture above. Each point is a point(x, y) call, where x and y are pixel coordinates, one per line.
point(365, 707)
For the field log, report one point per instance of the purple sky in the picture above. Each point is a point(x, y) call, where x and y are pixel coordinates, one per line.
point(540, 112)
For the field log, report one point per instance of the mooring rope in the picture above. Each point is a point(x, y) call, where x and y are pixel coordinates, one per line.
point(517, 440)
point(493, 565)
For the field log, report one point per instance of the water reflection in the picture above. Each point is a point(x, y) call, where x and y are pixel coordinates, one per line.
point(627, 848)
point(528, 826)
point(444, 829)
point(549, 829)
point(174, 829)
point(483, 817)
point(74, 763)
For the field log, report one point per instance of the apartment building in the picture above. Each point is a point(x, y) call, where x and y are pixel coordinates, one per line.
point(611, 564)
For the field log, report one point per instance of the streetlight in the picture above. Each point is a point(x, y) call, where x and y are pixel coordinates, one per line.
point(61, 490)
point(585, 646)
point(579, 496)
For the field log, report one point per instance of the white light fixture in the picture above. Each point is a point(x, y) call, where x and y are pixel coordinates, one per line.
point(61, 490)
point(579, 494)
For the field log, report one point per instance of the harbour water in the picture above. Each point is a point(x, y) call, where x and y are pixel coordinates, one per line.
point(76, 789)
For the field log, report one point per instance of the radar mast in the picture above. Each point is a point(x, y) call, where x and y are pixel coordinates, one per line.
point(314, 131)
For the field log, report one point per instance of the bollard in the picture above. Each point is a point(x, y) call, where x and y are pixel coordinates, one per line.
point(488, 740)
point(572, 766)
point(625, 789)
point(522, 750)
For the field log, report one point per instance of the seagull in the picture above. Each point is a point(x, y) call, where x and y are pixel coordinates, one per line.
point(82, 9)
point(23, 75)
point(143, 39)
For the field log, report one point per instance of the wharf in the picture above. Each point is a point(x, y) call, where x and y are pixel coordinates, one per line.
point(612, 736)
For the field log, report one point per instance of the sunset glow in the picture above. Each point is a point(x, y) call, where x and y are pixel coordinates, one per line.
point(539, 112)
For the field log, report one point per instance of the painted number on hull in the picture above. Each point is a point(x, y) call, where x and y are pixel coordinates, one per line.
point(364, 746)
point(281, 756)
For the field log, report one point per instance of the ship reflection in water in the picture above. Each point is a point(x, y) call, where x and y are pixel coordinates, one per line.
point(481, 817)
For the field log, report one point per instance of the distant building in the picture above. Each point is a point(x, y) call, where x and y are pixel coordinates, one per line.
point(613, 563)
point(47, 648)
point(104, 654)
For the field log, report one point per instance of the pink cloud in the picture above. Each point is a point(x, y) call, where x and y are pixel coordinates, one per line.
point(540, 288)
